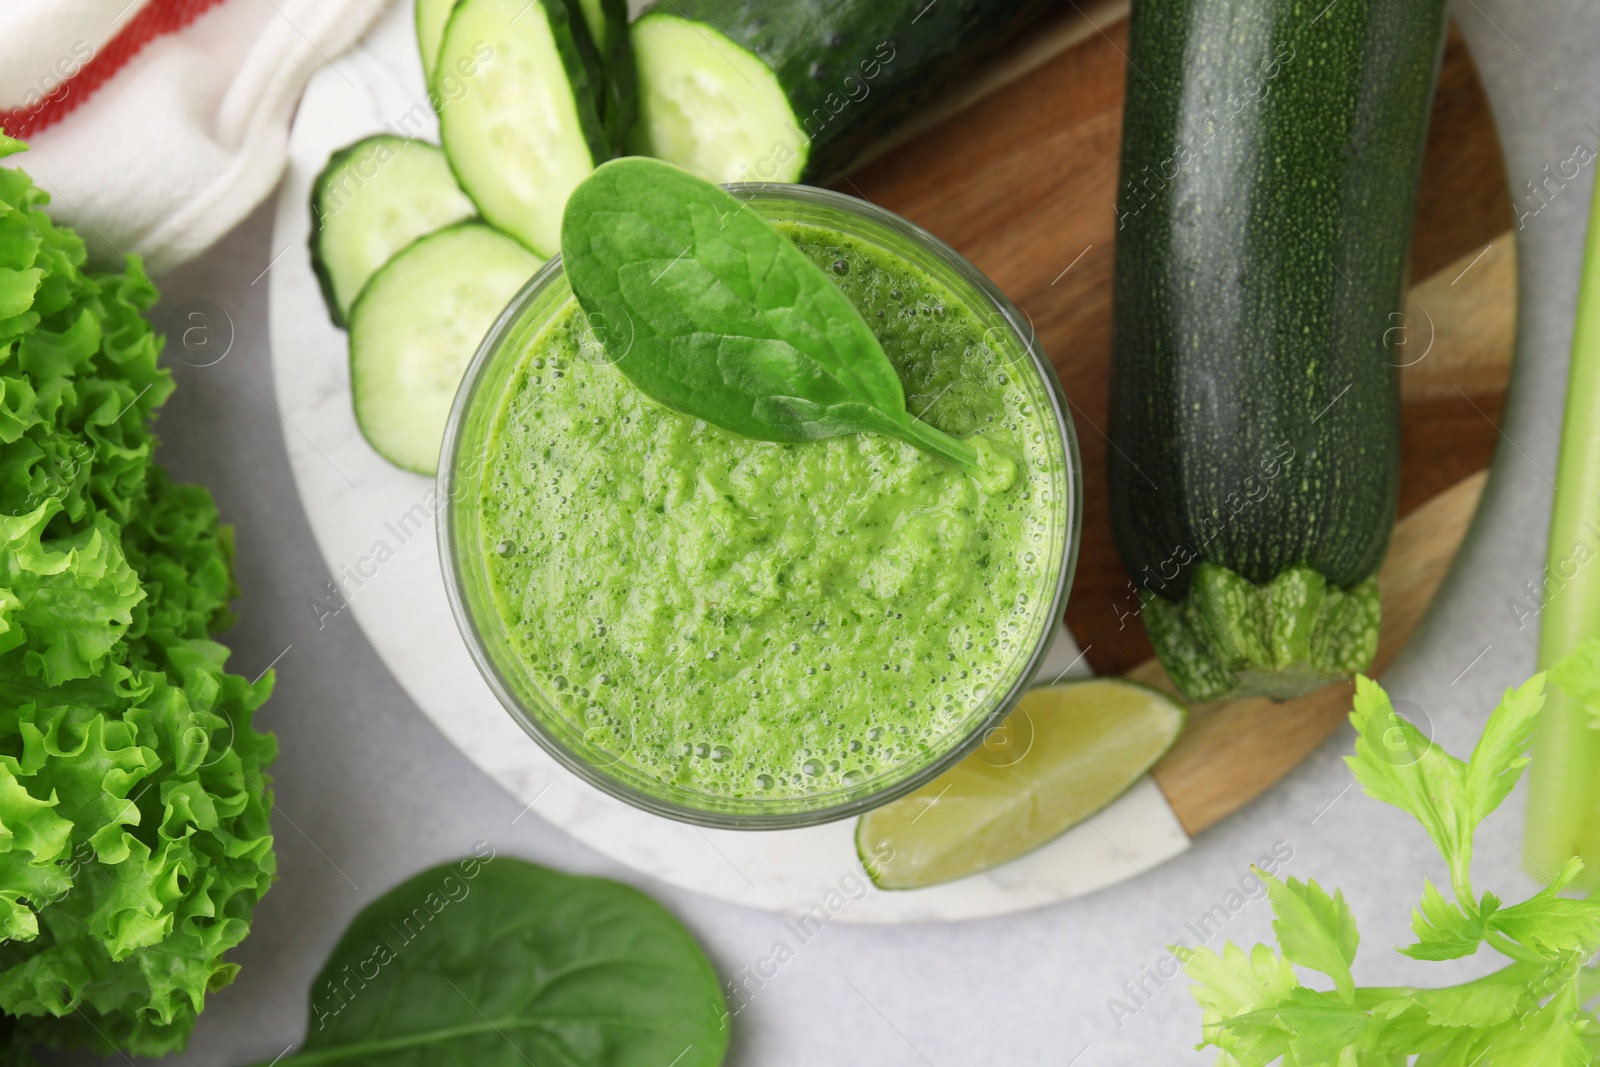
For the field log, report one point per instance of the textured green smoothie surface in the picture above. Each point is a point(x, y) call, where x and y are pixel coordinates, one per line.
point(746, 618)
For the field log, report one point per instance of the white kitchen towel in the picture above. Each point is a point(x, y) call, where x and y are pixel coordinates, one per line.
point(159, 124)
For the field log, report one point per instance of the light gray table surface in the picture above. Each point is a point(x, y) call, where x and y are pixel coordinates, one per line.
point(368, 792)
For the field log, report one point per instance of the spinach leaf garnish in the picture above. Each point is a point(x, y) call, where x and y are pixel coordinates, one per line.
point(718, 315)
point(500, 963)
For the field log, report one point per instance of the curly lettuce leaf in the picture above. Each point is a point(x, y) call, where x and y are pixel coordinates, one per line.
point(134, 836)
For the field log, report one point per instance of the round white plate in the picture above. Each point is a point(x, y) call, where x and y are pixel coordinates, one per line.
point(374, 525)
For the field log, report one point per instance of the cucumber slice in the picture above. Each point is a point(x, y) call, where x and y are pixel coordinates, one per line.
point(711, 106)
point(371, 200)
point(527, 127)
point(415, 328)
point(431, 17)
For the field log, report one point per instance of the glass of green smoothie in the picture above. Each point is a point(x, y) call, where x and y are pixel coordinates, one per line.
point(747, 634)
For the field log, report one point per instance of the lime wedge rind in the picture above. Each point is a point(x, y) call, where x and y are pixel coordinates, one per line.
point(1067, 752)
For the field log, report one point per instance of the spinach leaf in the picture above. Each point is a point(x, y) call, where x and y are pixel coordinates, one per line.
point(500, 963)
point(721, 317)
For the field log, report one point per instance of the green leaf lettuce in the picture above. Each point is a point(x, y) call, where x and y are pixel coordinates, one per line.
point(134, 840)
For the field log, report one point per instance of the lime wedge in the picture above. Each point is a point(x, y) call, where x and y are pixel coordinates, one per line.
point(1065, 752)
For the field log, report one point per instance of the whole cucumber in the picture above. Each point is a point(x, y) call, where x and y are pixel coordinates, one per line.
point(794, 90)
point(1270, 159)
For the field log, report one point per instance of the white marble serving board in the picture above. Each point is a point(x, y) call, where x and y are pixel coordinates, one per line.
point(374, 526)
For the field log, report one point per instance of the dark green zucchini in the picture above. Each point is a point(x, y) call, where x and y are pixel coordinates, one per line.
point(1270, 159)
point(790, 90)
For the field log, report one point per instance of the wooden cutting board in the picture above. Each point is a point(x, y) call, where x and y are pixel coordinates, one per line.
point(1019, 173)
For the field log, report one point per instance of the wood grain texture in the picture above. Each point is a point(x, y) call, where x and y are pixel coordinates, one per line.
point(1023, 183)
point(1460, 326)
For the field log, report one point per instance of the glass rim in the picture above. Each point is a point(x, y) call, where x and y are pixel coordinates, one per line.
point(1022, 331)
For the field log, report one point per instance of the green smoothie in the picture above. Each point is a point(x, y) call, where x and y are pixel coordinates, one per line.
point(760, 620)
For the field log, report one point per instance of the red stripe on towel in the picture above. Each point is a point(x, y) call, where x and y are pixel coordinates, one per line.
point(157, 18)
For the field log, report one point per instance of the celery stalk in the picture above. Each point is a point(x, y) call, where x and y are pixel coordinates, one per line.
point(1565, 776)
